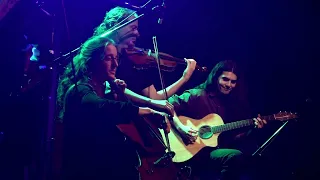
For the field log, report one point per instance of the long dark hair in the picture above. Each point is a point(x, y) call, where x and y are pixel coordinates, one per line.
point(111, 18)
point(210, 85)
point(91, 51)
point(237, 102)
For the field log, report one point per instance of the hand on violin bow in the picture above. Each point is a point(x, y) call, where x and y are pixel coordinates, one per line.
point(191, 66)
point(121, 84)
point(161, 118)
point(164, 120)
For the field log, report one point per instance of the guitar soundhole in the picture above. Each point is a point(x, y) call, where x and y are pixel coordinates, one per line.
point(205, 132)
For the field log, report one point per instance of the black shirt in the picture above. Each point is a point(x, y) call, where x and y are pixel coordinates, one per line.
point(94, 147)
point(197, 103)
point(136, 80)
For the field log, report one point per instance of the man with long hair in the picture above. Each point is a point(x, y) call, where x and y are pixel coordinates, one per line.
point(215, 95)
point(140, 82)
point(94, 148)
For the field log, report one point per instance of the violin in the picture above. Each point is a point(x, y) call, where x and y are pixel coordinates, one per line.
point(144, 59)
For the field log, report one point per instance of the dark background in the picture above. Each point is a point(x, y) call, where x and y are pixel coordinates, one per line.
point(275, 41)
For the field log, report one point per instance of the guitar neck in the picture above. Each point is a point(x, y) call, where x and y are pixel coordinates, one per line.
point(238, 124)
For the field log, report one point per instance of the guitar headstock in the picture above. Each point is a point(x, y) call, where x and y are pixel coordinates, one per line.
point(283, 116)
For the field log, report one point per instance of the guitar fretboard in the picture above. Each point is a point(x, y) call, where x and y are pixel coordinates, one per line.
point(238, 124)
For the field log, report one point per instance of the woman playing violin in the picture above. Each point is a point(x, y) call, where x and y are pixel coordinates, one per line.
point(139, 81)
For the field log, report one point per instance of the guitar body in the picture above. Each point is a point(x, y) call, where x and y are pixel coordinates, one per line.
point(153, 150)
point(209, 128)
point(185, 152)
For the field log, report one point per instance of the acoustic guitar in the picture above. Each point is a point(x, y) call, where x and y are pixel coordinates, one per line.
point(209, 129)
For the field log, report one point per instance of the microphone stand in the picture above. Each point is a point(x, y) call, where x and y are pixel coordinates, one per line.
point(259, 152)
point(167, 157)
point(263, 147)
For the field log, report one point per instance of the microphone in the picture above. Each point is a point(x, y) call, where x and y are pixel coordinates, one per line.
point(40, 5)
point(162, 8)
point(127, 5)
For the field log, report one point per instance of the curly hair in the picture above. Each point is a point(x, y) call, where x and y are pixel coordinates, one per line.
point(111, 18)
point(91, 51)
